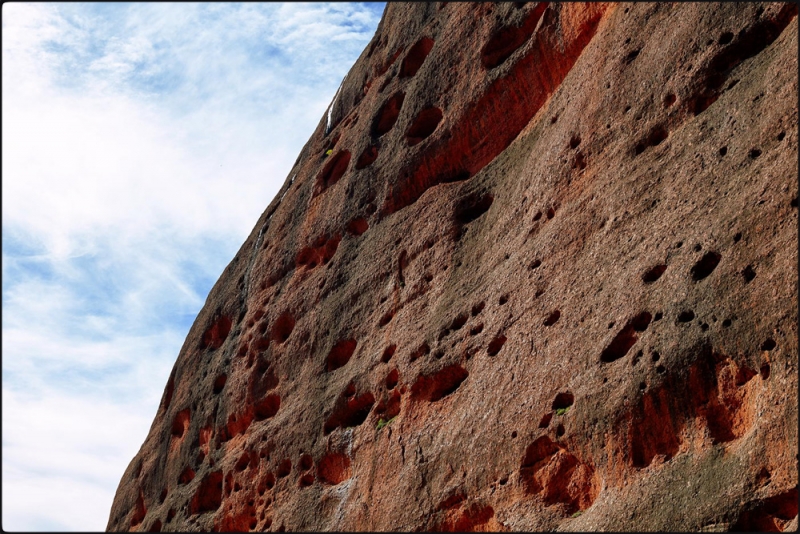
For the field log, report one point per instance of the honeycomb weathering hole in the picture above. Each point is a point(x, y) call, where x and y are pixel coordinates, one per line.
point(306, 462)
point(551, 471)
point(472, 207)
point(653, 274)
point(388, 114)
point(440, 384)
point(496, 344)
point(416, 57)
point(563, 400)
point(552, 318)
point(388, 353)
point(186, 476)
point(626, 338)
point(424, 125)
point(216, 334)
point(507, 40)
point(219, 383)
point(392, 379)
point(332, 171)
point(367, 157)
point(267, 407)
point(282, 328)
point(352, 412)
point(334, 468)
point(208, 496)
point(357, 226)
point(705, 266)
point(340, 354)
point(180, 424)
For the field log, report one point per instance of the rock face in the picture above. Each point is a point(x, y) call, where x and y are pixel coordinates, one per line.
point(535, 269)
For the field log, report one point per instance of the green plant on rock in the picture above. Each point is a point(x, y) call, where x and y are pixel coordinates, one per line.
point(382, 423)
point(577, 514)
point(562, 411)
point(329, 152)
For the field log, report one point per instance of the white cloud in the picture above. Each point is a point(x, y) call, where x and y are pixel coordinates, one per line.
point(140, 144)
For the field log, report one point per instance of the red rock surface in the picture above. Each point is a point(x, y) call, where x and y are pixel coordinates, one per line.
point(554, 246)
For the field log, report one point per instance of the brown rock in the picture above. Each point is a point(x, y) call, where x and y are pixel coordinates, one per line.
point(545, 279)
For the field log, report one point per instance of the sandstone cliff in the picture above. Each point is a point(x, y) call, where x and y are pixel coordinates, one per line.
point(535, 269)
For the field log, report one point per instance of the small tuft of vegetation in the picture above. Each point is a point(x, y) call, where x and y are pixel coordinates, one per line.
point(577, 514)
point(562, 411)
point(329, 152)
point(382, 423)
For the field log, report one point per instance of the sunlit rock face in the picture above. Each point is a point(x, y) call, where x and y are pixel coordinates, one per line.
point(535, 269)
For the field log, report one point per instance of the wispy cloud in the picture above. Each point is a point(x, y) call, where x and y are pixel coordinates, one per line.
point(140, 144)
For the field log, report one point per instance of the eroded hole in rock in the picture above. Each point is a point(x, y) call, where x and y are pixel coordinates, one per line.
point(282, 328)
point(186, 476)
point(284, 468)
point(625, 338)
point(478, 308)
point(334, 468)
point(357, 226)
point(558, 476)
point(392, 378)
point(723, 151)
point(669, 99)
point(505, 41)
point(367, 157)
point(266, 407)
point(631, 56)
point(180, 424)
point(535, 264)
point(768, 344)
point(545, 420)
point(387, 116)
point(768, 515)
point(653, 274)
point(552, 318)
point(754, 153)
point(496, 344)
point(242, 462)
point(574, 141)
point(219, 383)
point(472, 207)
point(139, 511)
point(503, 299)
point(656, 136)
point(387, 317)
point(459, 321)
point(477, 329)
point(705, 266)
point(764, 371)
point(422, 350)
point(424, 125)
point(438, 385)
point(332, 171)
point(306, 462)
point(685, 316)
point(748, 273)
point(563, 401)
point(208, 495)
point(350, 412)
point(215, 335)
point(305, 481)
point(340, 354)
point(416, 57)
point(388, 352)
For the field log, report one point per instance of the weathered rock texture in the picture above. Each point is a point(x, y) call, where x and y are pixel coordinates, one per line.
point(555, 246)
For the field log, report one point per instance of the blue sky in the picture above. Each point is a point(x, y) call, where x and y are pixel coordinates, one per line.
point(141, 142)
